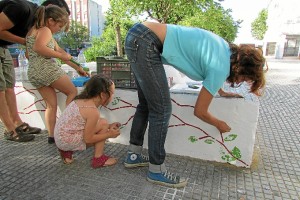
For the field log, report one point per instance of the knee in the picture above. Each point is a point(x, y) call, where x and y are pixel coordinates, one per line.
point(71, 92)
point(103, 123)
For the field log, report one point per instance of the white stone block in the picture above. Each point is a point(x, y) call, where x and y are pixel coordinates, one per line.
point(188, 135)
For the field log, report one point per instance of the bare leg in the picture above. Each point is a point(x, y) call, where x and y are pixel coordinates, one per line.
point(49, 96)
point(102, 125)
point(11, 101)
point(48, 93)
point(5, 113)
point(99, 149)
point(5, 116)
point(65, 85)
point(12, 106)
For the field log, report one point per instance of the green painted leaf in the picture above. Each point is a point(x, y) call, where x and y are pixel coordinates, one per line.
point(231, 159)
point(236, 152)
point(193, 139)
point(230, 137)
point(209, 141)
point(115, 101)
point(228, 158)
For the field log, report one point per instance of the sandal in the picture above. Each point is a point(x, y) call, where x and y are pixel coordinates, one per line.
point(51, 140)
point(103, 161)
point(25, 128)
point(66, 155)
point(18, 137)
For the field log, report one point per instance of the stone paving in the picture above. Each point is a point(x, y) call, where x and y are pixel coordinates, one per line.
point(34, 170)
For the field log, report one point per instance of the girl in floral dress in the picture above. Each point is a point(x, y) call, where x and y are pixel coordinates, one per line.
point(80, 125)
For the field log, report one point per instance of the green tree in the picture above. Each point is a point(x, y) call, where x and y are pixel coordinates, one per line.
point(199, 13)
point(117, 16)
point(118, 22)
point(101, 46)
point(205, 14)
point(259, 25)
point(76, 35)
point(106, 44)
point(215, 19)
point(167, 11)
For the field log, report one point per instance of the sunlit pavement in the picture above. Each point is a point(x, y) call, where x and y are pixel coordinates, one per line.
point(35, 171)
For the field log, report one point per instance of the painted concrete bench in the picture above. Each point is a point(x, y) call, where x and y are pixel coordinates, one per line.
point(187, 135)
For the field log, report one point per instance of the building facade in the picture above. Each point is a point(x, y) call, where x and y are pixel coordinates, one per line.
point(282, 38)
point(88, 13)
point(96, 19)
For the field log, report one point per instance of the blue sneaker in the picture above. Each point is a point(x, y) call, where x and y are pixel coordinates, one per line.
point(136, 160)
point(166, 179)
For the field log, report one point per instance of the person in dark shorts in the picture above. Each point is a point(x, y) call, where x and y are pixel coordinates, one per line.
point(16, 18)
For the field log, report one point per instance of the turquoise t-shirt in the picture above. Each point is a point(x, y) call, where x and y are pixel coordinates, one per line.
point(199, 54)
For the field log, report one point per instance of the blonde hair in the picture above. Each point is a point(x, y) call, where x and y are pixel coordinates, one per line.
point(51, 11)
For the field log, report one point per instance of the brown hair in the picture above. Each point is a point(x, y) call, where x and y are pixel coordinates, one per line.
point(51, 11)
point(95, 86)
point(246, 60)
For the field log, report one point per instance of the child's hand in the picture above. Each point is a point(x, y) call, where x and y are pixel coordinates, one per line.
point(81, 72)
point(114, 132)
point(115, 125)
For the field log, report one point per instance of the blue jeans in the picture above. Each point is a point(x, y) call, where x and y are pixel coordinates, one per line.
point(143, 49)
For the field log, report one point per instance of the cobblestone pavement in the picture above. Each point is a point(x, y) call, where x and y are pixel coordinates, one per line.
point(34, 170)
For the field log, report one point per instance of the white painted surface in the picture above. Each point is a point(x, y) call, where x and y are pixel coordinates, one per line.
point(240, 114)
point(187, 135)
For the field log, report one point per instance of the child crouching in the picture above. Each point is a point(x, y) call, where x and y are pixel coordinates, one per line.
point(80, 125)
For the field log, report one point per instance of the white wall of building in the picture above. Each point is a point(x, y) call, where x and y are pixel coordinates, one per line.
point(96, 18)
point(283, 25)
point(89, 13)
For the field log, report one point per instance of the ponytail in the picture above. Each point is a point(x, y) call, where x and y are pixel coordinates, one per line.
point(40, 17)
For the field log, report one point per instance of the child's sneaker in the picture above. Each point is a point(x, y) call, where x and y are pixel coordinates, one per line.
point(166, 179)
point(136, 160)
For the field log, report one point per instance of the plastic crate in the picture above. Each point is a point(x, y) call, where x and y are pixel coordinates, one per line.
point(118, 70)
